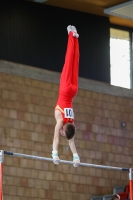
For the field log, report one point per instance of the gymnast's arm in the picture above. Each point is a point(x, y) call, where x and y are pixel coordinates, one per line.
point(76, 158)
point(58, 127)
point(72, 145)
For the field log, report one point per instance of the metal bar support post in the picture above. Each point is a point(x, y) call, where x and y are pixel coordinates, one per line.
point(131, 183)
point(1, 173)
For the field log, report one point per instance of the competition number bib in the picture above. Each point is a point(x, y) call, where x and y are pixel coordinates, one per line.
point(68, 112)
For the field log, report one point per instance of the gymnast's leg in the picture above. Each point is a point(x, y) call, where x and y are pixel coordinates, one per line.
point(66, 75)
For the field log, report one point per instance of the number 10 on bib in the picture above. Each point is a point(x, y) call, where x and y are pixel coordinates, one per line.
point(68, 112)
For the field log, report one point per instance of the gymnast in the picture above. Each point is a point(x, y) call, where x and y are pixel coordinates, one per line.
point(64, 114)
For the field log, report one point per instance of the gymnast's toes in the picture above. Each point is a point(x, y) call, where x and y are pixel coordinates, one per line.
point(76, 35)
point(69, 28)
point(74, 30)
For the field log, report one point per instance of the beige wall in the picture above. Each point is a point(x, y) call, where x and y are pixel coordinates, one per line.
point(27, 126)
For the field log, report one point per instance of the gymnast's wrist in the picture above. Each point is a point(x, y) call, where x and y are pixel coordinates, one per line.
point(76, 156)
point(54, 153)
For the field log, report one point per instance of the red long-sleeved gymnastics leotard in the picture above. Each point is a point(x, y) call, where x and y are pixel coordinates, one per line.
point(69, 80)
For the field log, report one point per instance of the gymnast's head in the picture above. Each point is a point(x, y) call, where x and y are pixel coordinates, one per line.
point(115, 197)
point(69, 131)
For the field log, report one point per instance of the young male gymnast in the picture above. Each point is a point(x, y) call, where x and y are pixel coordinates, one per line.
point(64, 114)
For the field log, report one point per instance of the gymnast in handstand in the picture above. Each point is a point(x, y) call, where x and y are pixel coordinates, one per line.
point(64, 114)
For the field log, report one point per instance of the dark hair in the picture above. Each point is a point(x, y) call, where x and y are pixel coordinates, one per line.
point(115, 196)
point(69, 130)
